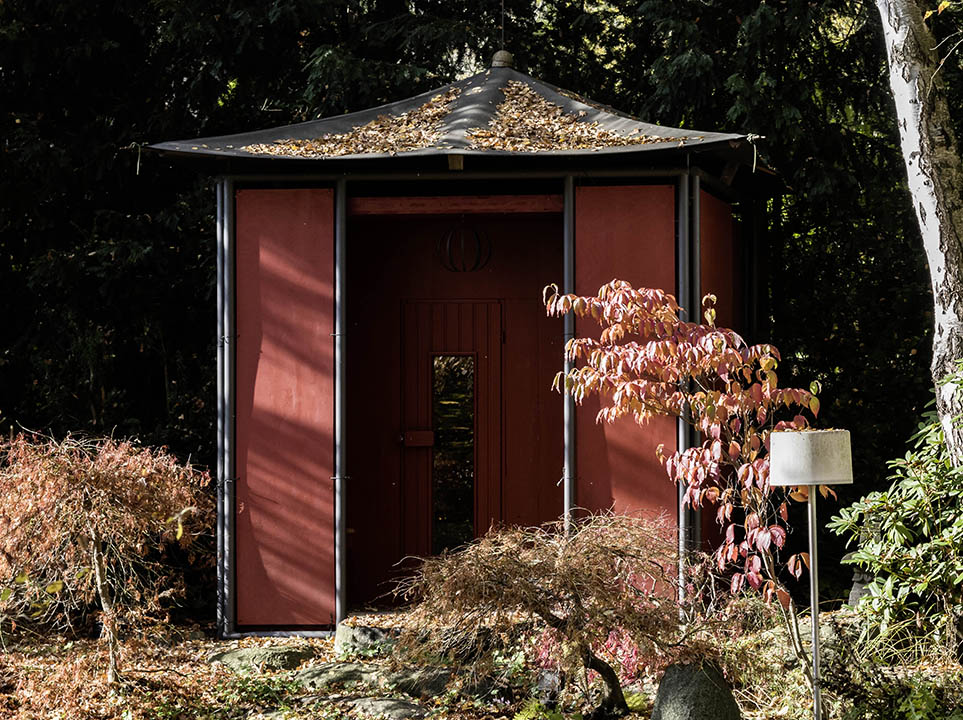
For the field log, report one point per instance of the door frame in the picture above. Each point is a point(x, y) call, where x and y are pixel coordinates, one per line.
point(487, 410)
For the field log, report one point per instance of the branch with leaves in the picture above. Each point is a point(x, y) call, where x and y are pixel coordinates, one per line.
point(648, 362)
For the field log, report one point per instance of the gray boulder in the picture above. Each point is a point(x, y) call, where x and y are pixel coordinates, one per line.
point(389, 708)
point(549, 687)
point(419, 682)
point(363, 639)
point(838, 635)
point(261, 659)
point(694, 692)
point(320, 677)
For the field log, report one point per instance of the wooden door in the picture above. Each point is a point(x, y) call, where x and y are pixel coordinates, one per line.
point(452, 425)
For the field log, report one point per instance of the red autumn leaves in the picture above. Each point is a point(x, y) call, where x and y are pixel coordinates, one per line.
point(648, 362)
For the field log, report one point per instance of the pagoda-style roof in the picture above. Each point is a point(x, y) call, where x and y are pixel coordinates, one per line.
point(497, 113)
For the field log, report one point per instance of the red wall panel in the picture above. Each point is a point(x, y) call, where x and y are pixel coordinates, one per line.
point(719, 258)
point(624, 232)
point(284, 400)
point(718, 262)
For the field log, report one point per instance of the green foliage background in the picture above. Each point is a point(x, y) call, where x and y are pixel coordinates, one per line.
point(909, 539)
point(108, 273)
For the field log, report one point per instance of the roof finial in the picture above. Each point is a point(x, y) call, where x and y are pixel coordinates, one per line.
point(503, 58)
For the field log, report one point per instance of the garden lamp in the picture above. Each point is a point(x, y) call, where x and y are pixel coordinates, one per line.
point(811, 458)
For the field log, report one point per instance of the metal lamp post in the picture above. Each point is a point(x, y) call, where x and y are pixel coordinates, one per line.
point(811, 458)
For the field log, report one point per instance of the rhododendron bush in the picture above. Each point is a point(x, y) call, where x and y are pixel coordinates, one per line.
point(649, 362)
point(85, 526)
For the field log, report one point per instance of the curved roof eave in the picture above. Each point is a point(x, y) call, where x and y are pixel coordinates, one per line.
point(475, 105)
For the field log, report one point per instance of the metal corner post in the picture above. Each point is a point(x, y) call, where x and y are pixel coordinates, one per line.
point(683, 295)
point(221, 409)
point(694, 516)
point(226, 415)
point(568, 332)
point(340, 415)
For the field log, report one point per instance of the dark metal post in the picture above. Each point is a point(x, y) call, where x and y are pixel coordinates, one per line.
point(568, 332)
point(683, 294)
point(221, 410)
point(228, 393)
point(694, 305)
point(340, 425)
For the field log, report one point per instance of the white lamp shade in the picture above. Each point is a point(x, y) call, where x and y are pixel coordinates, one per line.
point(810, 457)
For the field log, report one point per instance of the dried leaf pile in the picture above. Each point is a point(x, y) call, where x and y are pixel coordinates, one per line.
point(61, 680)
point(414, 130)
point(527, 122)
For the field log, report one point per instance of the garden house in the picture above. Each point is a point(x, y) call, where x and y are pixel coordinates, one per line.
point(385, 362)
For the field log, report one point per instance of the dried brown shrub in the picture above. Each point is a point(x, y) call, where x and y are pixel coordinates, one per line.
point(84, 527)
point(611, 579)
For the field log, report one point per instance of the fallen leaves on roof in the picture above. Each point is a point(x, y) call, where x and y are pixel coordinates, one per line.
point(386, 134)
point(526, 122)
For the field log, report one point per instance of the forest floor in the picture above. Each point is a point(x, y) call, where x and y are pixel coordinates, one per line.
point(174, 675)
point(183, 673)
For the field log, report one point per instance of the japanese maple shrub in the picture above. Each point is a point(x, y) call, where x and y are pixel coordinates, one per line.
point(84, 527)
point(649, 362)
point(597, 599)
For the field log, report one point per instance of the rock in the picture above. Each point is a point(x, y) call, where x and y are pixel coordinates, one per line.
point(260, 659)
point(417, 682)
point(389, 708)
point(420, 682)
point(860, 588)
point(363, 639)
point(838, 634)
point(549, 686)
point(319, 677)
point(694, 692)
point(479, 687)
point(492, 689)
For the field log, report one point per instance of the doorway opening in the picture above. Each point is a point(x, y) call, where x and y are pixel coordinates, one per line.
point(452, 423)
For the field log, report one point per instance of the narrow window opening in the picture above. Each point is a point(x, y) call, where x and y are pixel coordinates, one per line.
point(453, 456)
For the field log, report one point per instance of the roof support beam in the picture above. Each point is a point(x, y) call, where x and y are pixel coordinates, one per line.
point(455, 204)
point(636, 172)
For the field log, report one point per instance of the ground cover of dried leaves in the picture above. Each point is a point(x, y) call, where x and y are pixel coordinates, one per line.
point(388, 134)
point(170, 677)
point(56, 678)
point(527, 122)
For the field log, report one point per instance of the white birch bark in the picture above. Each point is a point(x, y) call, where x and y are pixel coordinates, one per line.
point(935, 174)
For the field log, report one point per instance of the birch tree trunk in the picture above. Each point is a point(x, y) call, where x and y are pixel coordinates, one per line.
point(935, 175)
